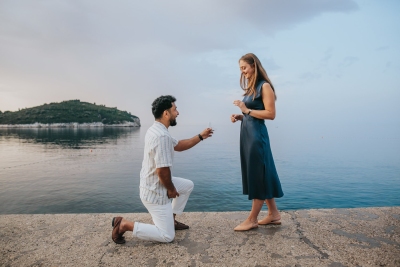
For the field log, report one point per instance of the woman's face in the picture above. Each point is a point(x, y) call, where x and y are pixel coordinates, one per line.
point(246, 69)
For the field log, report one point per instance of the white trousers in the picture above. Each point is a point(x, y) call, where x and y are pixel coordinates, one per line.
point(163, 229)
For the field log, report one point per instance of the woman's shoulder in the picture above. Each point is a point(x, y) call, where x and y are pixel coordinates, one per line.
point(262, 82)
point(260, 85)
point(266, 85)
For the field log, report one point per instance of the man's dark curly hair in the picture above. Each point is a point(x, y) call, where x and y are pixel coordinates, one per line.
point(160, 104)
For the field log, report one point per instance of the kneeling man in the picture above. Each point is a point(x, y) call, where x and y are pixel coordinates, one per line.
point(157, 186)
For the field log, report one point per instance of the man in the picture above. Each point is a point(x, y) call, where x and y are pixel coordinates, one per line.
point(157, 186)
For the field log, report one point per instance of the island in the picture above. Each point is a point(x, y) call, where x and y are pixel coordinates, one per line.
point(71, 113)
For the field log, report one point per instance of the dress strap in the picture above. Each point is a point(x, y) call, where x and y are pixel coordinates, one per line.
point(259, 86)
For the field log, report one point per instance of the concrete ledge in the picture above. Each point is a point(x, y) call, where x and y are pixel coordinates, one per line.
point(324, 237)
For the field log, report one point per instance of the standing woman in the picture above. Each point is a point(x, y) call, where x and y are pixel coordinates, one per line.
point(259, 177)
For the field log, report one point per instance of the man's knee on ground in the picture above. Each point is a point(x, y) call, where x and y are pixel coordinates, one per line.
point(169, 237)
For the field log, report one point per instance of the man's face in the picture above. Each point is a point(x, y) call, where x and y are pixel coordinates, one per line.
point(173, 114)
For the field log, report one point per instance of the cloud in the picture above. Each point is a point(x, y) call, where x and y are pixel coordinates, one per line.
point(348, 61)
point(185, 26)
point(125, 53)
point(309, 76)
point(382, 48)
point(327, 56)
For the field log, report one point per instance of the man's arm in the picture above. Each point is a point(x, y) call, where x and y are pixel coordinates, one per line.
point(164, 174)
point(189, 143)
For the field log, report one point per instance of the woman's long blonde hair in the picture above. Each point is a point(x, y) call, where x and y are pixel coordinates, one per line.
point(249, 85)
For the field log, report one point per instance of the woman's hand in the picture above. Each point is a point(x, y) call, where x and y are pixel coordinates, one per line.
point(241, 105)
point(236, 117)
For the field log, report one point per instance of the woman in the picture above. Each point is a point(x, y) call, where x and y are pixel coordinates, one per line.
point(259, 177)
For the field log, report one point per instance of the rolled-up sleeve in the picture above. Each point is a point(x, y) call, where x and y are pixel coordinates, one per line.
point(174, 141)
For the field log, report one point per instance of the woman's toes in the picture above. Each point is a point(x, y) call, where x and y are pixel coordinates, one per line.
point(245, 226)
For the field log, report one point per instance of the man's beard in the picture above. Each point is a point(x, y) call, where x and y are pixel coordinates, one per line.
point(172, 122)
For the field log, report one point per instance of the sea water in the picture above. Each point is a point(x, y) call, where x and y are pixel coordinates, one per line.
point(96, 170)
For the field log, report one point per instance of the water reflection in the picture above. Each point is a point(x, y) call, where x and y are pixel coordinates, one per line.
point(73, 138)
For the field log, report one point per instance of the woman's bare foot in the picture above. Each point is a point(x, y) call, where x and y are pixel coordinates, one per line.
point(271, 219)
point(246, 225)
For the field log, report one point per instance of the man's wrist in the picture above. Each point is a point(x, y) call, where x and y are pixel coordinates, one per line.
point(171, 188)
point(201, 137)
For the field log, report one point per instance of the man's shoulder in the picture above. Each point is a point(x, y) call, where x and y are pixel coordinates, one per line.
point(157, 132)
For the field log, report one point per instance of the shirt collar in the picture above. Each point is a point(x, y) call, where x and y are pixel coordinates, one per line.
point(160, 125)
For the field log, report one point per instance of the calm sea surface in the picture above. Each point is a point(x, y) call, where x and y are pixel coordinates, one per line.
point(97, 170)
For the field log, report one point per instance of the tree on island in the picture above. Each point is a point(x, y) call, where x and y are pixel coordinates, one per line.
point(67, 112)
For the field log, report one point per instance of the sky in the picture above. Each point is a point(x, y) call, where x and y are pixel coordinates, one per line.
point(334, 64)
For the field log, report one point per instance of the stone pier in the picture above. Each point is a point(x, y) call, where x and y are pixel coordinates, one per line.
point(320, 237)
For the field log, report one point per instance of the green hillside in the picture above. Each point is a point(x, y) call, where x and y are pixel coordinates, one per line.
point(66, 112)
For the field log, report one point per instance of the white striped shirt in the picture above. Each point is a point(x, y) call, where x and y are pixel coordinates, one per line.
point(158, 152)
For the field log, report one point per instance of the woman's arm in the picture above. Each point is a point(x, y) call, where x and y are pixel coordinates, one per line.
point(268, 98)
point(236, 117)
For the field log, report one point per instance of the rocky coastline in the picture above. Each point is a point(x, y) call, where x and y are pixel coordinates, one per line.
point(135, 123)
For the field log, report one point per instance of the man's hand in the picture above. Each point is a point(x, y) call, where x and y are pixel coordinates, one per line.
point(164, 174)
point(208, 132)
point(189, 143)
point(172, 193)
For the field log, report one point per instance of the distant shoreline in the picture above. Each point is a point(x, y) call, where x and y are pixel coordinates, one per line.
point(70, 125)
point(70, 113)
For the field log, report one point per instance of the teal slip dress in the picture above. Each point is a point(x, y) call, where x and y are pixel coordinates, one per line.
point(259, 176)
